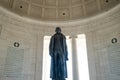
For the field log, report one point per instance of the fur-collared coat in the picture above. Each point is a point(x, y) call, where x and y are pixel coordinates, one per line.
point(59, 56)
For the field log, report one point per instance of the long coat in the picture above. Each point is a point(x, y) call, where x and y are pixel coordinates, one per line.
point(59, 56)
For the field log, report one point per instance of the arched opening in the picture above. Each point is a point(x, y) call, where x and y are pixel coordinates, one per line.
point(46, 59)
point(82, 57)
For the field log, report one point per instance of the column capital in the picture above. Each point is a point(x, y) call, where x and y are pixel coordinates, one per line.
point(73, 37)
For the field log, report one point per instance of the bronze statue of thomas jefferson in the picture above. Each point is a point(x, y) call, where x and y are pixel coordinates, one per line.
point(59, 56)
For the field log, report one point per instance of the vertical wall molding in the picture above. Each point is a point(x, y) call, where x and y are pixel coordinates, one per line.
point(0, 29)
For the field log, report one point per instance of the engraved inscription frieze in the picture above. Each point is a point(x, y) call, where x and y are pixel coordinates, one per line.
point(14, 62)
point(114, 59)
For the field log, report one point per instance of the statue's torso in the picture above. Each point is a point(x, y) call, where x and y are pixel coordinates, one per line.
point(58, 42)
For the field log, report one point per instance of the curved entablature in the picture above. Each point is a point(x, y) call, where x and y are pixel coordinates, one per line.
point(12, 21)
point(8, 14)
point(58, 10)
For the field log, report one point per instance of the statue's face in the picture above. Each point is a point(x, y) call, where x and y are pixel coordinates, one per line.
point(58, 30)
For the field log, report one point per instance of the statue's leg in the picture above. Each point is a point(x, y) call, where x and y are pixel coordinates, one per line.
point(61, 79)
point(53, 79)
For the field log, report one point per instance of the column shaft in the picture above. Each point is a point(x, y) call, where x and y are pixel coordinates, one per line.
point(74, 60)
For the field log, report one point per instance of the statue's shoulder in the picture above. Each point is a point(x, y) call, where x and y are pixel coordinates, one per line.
point(63, 35)
point(52, 37)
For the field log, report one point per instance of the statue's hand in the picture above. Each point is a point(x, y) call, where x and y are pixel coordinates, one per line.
point(67, 59)
point(51, 55)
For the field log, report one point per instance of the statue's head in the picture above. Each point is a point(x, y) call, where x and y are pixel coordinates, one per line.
point(58, 30)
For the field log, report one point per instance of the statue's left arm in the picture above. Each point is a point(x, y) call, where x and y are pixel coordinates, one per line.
point(65, 48)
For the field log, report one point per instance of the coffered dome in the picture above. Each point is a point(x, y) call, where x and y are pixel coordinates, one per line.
point(57, 10)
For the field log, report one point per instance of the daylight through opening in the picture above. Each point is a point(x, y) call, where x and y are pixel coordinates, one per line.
point(46, 59)
point(82, 57)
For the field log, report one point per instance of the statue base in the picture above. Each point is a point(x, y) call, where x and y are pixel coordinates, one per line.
point(59, 79)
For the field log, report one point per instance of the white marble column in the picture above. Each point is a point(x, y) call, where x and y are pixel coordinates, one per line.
point(91, 56)
point(39, 57)
point(74, 59)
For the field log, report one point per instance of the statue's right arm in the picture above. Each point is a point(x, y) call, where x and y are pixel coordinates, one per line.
point(51, 45)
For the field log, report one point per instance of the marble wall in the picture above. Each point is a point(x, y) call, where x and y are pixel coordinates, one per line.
point(103, 55)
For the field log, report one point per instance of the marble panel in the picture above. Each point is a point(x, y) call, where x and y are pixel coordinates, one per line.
point(14, 62)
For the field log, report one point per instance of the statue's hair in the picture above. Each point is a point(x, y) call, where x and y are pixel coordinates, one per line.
point(58, 28)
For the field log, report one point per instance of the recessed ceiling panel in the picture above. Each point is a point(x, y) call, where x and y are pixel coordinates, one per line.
point(63, 3)
point(50, 13)
point(20, 7)
point(37, 1)
point(74, 2)
point(91, 7)
point(50, 2)
point(58, 9)
point(64, 13)
point(36, 11)
point(5, 3)
point(77, 12)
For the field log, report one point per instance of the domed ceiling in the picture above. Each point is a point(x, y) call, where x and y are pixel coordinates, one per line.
point(58, 9)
